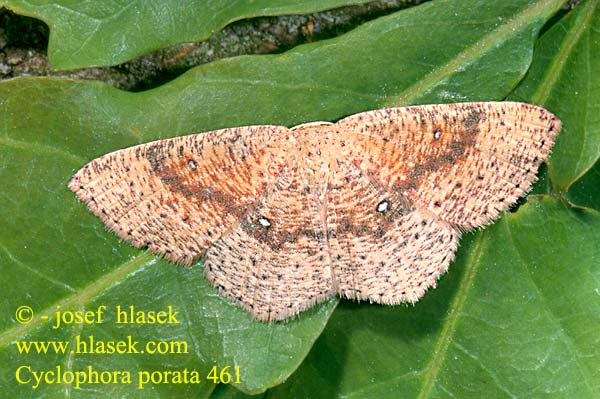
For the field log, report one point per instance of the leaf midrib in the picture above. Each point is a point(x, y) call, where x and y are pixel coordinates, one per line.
point(557, 65)
point(82, 296)
point(449, 327)
point(516, 24)
point(555, 70)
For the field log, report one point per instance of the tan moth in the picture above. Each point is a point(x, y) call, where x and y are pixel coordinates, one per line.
point(369, 208)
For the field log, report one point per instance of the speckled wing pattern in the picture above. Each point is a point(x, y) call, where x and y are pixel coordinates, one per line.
point(369, 208)
point(178, 196)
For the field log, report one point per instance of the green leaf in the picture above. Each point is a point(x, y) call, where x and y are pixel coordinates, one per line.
point(516, 316)
point(518, 312)
point(55, 253)
point(101, 33)
point(565, 78)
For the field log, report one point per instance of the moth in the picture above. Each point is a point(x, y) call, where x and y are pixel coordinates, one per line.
point(369, 208)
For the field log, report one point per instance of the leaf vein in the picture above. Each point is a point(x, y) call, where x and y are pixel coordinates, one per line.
point(449, 328)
